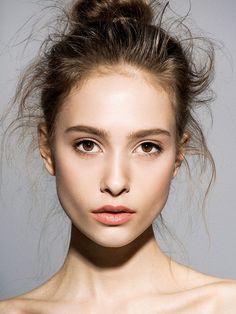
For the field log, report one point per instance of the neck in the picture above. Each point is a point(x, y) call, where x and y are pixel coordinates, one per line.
point(93, 271)
point(107, 257)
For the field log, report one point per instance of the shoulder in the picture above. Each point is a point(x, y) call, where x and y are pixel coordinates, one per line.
point(218, 296)
point(27, 306)
point(36, 306)
point(11, 307)
point(201, 290)
point(24, 304)
point(221, 287)
point(38, 300)
point(28, 303)
point(225, 291)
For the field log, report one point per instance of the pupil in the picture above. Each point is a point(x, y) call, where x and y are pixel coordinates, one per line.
point(147, 147)
point(88, 145)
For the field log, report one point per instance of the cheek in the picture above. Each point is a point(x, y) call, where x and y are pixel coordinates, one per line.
point(154, 181)
point(74, 181)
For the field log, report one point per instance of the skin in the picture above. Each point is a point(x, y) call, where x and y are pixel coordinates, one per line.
point(118, 269)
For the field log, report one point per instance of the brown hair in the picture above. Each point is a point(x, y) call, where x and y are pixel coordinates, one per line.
point(109, 33)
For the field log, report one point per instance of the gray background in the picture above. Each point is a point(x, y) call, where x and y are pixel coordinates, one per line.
point(30, 250)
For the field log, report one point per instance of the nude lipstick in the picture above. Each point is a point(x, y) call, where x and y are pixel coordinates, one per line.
point(113, 215)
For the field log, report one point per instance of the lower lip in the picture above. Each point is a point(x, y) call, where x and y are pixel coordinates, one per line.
point(113, 219)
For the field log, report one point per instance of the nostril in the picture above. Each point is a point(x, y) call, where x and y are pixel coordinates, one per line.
point(114, 192)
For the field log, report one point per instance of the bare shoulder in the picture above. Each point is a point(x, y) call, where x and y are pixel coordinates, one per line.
point(30, 306)
point(214, 296)
point(34, 301)
point(40, 300)
point(197, 290)
point(219, 295)
point(225, 290)
point(20, 305)
point(36, 306)
point(11, 307)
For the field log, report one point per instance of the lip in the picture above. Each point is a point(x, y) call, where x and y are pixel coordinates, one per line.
point(113, 209)
point(113, 215)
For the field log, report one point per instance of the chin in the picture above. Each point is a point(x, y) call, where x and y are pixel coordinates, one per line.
point(115, 238)
point(113, 244)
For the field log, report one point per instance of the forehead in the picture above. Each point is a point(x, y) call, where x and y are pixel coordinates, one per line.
point(118, 99)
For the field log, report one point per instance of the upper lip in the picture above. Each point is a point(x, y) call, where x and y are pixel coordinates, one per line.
point(113, 209)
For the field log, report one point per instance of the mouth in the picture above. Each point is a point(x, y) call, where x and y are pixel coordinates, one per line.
point(113, 209)
point(113, 215)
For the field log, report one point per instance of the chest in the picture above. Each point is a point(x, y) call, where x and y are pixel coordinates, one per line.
point(156, 305)
point(167, 304)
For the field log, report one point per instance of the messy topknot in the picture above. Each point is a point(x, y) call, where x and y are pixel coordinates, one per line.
point(89, 11)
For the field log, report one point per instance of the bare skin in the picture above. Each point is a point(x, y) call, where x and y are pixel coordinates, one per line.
point(119, 269)
point(178, 290)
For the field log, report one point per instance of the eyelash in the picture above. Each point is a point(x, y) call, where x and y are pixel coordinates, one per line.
point(157, 146)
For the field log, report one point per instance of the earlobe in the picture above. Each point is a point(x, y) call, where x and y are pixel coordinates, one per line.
point(45, 150)
point(178, 164)
point(175, 172)
point(181, 153)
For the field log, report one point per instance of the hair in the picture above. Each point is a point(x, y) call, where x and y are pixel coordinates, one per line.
point(109, 33)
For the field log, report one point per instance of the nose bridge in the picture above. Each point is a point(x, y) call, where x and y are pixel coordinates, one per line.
point(115, 178)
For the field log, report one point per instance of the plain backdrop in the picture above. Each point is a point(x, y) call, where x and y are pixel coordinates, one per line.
point(33, 243)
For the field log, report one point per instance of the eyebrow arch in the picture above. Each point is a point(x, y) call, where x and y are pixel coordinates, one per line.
point(104, 134)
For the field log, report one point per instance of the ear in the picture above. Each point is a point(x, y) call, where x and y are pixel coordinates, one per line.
point(44, 148)
point(181, 153)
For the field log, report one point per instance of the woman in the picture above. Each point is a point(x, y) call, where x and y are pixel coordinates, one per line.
point(117, 93)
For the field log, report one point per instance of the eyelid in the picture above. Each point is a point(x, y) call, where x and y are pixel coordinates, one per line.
point(81, 140)
point(84, 139)
point(154, 143)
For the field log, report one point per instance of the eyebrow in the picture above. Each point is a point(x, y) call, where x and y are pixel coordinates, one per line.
point(104, 134)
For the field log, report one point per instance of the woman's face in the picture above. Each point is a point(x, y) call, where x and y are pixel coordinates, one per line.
point(115, 145)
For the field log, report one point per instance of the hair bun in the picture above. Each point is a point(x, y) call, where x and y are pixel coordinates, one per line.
point(89, 11)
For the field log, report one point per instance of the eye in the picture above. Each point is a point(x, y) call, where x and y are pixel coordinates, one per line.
point(150, 148)
point(86, 146)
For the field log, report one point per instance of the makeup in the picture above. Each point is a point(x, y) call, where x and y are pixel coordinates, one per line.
point(113, 215)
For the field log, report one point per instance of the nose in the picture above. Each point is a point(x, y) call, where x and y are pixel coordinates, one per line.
point(115, 178)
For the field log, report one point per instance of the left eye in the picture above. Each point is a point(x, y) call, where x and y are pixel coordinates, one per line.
point(150, 148)
point(86, 146)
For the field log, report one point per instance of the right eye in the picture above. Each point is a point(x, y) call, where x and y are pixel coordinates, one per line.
point(86, 147)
